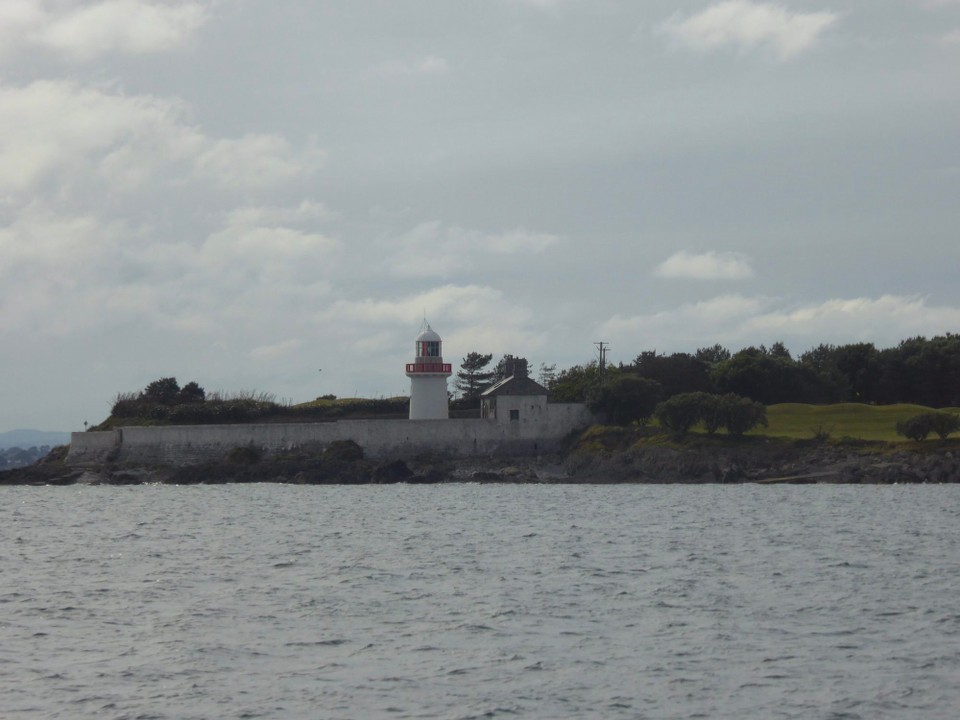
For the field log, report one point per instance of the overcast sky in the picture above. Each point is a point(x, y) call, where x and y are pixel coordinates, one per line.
point(269, 195)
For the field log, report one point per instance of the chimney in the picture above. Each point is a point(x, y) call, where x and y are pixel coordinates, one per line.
point(518, 368)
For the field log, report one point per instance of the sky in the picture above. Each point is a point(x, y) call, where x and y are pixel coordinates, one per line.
point(272, 196)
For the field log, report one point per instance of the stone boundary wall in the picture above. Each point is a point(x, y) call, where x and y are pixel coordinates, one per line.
point(90, 448)
point(189, 444)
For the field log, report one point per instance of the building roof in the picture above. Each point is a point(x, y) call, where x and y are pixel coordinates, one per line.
point(515, 385)
point(428, 335)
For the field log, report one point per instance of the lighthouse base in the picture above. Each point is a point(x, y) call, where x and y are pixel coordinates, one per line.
point(428, 397)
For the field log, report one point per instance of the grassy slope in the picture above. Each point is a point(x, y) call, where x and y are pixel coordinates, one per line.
point(789, 422)
point(842, 420)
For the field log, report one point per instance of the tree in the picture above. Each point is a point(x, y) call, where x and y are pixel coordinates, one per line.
point(757, 374)
point(778, 349)
point(822, 362)
point(677, 373)
point(547, 374)
point(163, 391)
point(712, 355)
point(626, 398)
point(472, 379)
point(574, 383)
point(846, 372)
point(191, 393)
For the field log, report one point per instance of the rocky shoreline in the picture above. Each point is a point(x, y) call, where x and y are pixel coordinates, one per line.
point(777, 463)
point(757, 461)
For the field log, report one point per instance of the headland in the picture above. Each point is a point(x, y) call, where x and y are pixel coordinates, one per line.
point(597, 455)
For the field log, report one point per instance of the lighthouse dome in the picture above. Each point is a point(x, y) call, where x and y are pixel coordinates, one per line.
point(428, 335)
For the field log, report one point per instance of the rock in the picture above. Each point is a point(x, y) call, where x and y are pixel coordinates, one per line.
point(428, 478)
point(392, 472)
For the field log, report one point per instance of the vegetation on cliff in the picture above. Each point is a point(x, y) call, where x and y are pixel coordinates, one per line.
point(164, 402)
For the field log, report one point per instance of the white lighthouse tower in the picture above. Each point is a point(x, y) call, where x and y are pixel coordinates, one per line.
point(428, 375)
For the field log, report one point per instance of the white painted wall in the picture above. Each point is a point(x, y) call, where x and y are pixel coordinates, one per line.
point(540, 429)
point(428, 397)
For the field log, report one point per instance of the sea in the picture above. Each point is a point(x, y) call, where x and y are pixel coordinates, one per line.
point(480, 601)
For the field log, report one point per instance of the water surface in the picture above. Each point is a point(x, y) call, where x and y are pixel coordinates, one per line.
point(463, 601)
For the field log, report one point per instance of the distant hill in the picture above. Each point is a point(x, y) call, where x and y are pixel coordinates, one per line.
point(32, 438)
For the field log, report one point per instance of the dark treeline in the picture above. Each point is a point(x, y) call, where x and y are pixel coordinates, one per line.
point(917, 370)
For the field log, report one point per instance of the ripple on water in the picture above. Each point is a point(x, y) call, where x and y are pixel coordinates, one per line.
point(468, 601)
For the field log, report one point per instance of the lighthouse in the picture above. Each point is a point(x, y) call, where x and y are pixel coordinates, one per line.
point(428, 375)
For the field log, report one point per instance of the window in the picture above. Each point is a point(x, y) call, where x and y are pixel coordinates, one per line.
point(514, 414)
point(428, 348)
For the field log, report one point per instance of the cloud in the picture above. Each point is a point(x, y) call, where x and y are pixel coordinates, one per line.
point(425, 66)
point(688, 319)
point(186, 258)
point(306, 211)
point(256, 161)
point(705, 266)
point(18, 20)
point(279, 350)
point(53, 264)
point(128, 26)
point(275, 255)
point(745, 24)
point(539, 3)
point(462, 301)
point(68, 274)
point(893, 317)
point(83, 137)
point(736, 321)
point(951, 38)
point(50, 128)
point(432, 249)
point(468, 317)
point(84, 30)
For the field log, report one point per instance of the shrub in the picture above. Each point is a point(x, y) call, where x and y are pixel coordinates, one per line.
point(822, 434)
point(244, 455)
point(737, 414)
point(915, 428)
point(944, 423)
point(126, 405)
point(681, 412)
point(711, 412)
point(920, 426)
point(343, 450)
point(741, 414)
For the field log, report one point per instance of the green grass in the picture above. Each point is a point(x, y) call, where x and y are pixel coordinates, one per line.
point(842, 420)
point(859, 425)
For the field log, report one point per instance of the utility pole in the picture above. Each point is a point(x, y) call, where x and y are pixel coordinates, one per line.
point(603, 346)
